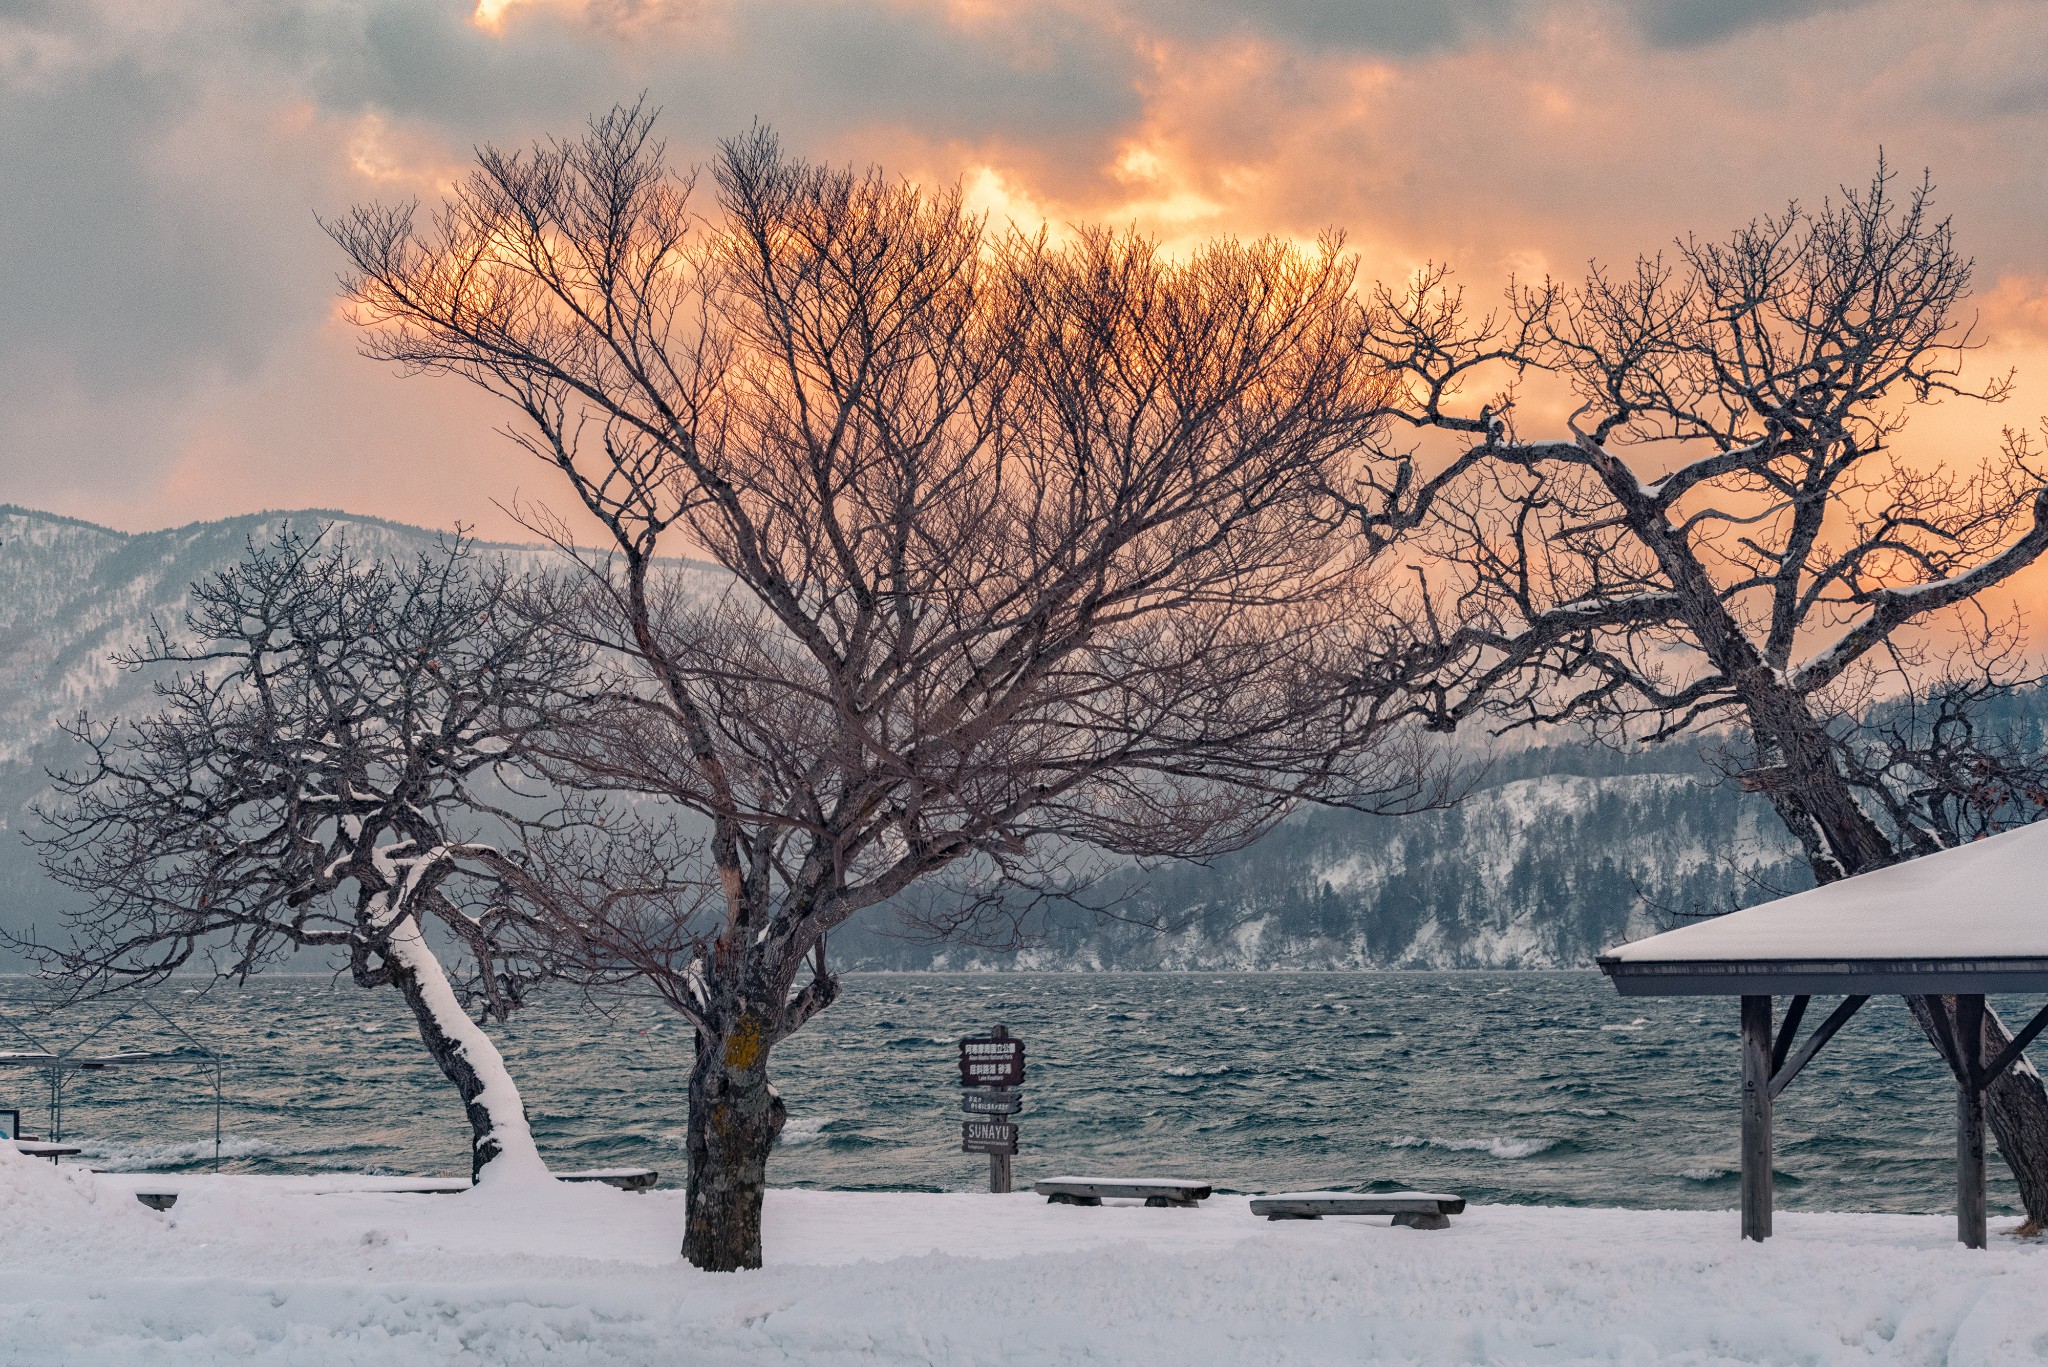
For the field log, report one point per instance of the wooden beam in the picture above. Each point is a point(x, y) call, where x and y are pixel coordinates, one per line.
point(1787, 1032)
point(1756, 1118)
point(2011, 1053)
point(1783, 1073)
point(1826, 977)
point(1970, 1213)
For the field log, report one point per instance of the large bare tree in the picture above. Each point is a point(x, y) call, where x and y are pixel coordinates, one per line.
point(1022, 549)
point(335, 763)
point(1725, 535)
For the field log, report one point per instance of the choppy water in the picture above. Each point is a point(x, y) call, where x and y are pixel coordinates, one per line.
point(1533, 1087)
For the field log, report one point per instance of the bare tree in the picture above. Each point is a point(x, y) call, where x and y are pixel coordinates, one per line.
point(1024, 547)
point(323, 770)
point(1953, 757)
point(1727, 537)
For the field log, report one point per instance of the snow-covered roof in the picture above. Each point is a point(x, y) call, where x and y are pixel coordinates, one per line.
point(1970, 919)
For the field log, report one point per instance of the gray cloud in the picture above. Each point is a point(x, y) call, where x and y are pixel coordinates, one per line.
point(1686, 23)
point(1392, 27)
point(1408, 28)
point(122, 253)
point(157, 236)
point(811, 66)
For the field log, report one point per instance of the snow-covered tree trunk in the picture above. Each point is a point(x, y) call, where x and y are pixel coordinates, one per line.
point(308, 781)
point(501, 1147)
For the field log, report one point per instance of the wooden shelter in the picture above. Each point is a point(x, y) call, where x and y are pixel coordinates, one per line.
point(1961, 923)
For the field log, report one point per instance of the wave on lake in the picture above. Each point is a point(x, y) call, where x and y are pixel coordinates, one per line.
point(1524, 1087)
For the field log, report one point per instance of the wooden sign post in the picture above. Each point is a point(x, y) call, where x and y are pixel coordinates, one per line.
point(991, 1072)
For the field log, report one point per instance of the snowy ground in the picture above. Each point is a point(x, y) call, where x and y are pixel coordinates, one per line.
point(255, 1270)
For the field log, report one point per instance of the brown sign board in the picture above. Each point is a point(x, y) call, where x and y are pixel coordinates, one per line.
point(990, 1062)
point(980, 1146)
point(987, 1136)
point(991, 1103)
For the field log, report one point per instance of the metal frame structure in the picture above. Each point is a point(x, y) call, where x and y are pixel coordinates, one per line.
point(59, 1066)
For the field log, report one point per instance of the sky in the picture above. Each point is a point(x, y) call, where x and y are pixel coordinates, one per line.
point(171, 349)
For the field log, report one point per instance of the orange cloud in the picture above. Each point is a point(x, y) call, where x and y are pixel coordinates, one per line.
point(1513, 139)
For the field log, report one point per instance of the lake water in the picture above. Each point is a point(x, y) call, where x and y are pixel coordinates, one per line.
point(1525, 1087)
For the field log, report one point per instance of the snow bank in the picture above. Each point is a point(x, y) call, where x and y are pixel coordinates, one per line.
point(255, 1270)
point(43, 1204)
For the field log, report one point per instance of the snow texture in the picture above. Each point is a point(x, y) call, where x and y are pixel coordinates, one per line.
point(248, 1270)
point(1984, 900)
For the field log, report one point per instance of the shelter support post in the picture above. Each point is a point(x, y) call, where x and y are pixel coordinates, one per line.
point(1970, 1079)
point(1788, 1034)
point(1756, 1117)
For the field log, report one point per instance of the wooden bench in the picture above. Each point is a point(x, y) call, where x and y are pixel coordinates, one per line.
point(1413, 1209)
point(625, 1179)
point(1089, 1191)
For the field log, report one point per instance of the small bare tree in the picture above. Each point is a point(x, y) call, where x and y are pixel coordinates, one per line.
point(1727, 538)
point(1025, 547)
point(1952, 757)
point(324, 768)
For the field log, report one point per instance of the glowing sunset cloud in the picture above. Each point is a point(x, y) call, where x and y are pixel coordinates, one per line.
point(171, 348)
point(490, 14)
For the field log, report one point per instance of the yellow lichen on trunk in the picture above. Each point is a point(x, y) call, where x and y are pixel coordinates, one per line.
point(743, 1047)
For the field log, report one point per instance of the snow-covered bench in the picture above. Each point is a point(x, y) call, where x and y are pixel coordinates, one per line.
point(625, 1179)
point(160, 1191)
point(1415, 1209)
point(1089, 1191)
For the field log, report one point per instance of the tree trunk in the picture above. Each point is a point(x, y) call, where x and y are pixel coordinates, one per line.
point(2016, 1105)
point(501, 1142)
point(735, 1116)
point(1819, 808)
point(1810, 795)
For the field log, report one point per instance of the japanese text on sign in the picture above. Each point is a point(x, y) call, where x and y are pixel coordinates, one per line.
point(991, 1062)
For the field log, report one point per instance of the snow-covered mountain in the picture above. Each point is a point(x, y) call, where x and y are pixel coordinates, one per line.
point(1564, 848)
point(72, 594)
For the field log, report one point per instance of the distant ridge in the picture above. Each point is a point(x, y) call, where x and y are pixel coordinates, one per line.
point(317, 514)
point(18, 510)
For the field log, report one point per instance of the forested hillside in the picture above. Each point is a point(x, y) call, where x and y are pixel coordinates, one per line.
point(1562, 848)
point(1538, 870)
